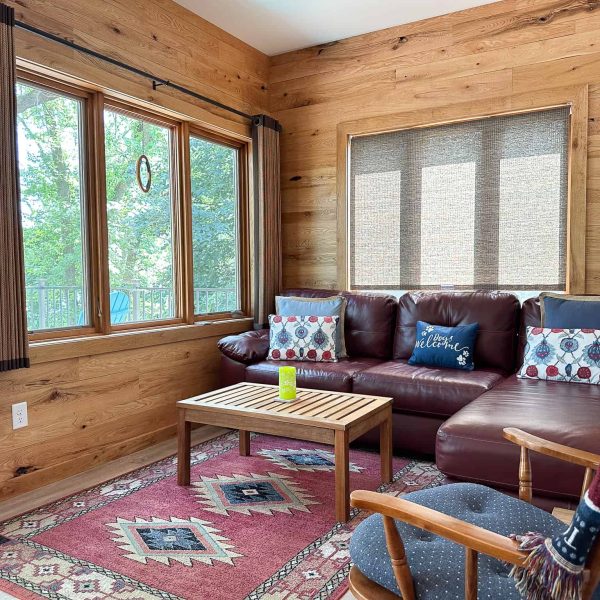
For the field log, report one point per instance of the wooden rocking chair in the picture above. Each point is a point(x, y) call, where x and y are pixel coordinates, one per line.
point(475, 539)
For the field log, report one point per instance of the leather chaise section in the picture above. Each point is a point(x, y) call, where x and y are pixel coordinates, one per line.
point(470, 445)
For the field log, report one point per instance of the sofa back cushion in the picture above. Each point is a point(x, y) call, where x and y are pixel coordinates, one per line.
point(531, 316)
point(497, 314)
point(369, 323)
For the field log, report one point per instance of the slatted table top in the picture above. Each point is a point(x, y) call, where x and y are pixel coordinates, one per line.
point(330, 410)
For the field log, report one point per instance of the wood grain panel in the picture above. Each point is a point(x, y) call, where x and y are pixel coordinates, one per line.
point(86, 410)
point(95, 399)
point(483, 59)
point(160, 37)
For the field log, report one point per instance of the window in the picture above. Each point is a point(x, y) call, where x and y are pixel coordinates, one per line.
point(140, 224)
point(215, 225)
point(126, 215)
point(53, 199)
point(478, 204)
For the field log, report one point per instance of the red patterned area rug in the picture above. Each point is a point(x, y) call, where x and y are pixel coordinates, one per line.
point(255, 528)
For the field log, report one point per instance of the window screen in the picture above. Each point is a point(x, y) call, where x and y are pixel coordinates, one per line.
point(480, 204)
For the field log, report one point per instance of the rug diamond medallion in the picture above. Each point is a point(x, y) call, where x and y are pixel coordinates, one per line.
point(271, 534)
point(263, 494)
point(304, 460)
point(174, 540)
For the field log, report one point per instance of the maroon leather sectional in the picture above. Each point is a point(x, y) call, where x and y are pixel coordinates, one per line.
point(456, 415)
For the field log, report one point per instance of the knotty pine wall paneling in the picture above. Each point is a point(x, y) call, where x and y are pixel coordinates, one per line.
point(481, 56)
point(90, 402)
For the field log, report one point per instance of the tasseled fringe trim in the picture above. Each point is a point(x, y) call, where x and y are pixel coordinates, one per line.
point(541, 577)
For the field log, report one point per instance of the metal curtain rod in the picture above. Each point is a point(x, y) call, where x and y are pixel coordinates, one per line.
point(156, 81)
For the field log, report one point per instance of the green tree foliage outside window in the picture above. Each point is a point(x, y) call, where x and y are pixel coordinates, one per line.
point(140, 225)
point(214, 226)
point(50, 147)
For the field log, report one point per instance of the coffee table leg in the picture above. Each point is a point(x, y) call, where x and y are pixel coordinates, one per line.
point(385, 448)
point(244, 443)
point(342, 476)
point(183, 449)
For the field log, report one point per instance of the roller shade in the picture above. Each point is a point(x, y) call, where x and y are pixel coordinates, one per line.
point(473, 205)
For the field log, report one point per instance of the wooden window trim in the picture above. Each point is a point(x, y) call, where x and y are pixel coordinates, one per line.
point(575, 96)
point(98, 280)
point(90, 345)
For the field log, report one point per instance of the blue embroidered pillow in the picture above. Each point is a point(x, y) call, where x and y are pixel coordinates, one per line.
point(449, 347)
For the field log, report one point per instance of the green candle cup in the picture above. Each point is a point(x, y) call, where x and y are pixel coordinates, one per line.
point(287, 383)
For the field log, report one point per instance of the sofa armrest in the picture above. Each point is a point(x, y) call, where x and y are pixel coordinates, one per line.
point(247, 347)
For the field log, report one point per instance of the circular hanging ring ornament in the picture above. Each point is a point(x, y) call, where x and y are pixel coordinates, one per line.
point(143, 164)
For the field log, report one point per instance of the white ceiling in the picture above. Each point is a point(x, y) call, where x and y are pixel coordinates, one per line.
point(276, 26)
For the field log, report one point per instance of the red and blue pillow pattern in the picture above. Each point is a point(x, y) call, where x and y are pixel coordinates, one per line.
point(570, 355)
point(304, 338)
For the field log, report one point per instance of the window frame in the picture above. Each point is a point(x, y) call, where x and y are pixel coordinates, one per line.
point(242, 223)
point(95, 102)
point(89, 175)
point(576, 97)
point(176, 202)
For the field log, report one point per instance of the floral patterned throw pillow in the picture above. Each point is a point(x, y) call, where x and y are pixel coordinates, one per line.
point(571, 355)
point(303, 338)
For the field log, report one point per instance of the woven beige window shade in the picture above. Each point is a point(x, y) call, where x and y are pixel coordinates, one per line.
point(474, 205)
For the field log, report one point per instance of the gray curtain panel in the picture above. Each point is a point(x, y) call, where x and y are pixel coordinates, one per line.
point(267, 217)
point(474, 205)
point(14, 349)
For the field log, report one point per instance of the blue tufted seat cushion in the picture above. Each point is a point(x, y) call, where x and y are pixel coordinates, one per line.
point(437, 565)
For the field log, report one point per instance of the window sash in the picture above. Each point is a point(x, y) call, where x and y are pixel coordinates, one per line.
point(175, 201)
point(236, 148)
point(404, 170)
point(96, 217)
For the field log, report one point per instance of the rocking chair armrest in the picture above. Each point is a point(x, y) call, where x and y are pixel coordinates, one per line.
point(451, 528)
point(589, 460)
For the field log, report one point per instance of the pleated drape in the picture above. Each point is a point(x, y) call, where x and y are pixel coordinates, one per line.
point(267, 217)
point(14, 348)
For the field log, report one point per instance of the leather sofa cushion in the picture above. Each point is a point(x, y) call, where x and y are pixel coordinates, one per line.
point(470, 445)
point(496, 312)
point(432, 391)
point(335, 376)
point(369, 323)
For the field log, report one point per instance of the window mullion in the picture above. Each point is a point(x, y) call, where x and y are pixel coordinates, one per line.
point(185, 283)
point(98, 217)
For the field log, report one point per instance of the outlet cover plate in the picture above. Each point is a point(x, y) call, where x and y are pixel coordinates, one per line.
point(19, 415)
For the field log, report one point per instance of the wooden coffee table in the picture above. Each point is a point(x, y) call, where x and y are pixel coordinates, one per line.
point(316, 416)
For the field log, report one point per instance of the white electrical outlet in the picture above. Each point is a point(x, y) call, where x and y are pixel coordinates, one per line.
point(19, 415)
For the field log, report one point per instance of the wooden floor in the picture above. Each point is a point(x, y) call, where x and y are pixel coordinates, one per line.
point(60, 489)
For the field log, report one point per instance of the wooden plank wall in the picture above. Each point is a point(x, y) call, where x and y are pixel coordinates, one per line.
point(85, 410)
point(477, 55)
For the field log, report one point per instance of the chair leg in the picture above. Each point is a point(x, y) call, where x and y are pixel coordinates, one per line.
point(470, 574)
point(398, 557)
